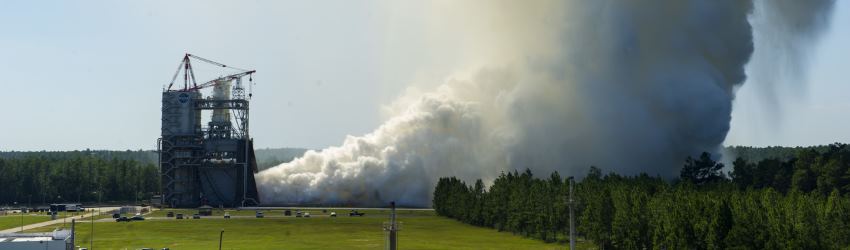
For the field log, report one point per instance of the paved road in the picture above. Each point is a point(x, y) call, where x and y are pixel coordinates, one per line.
point(270, 215)
point(334, 208)
point(103, 210)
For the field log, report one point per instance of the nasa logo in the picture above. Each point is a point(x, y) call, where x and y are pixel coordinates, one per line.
point(183, 98)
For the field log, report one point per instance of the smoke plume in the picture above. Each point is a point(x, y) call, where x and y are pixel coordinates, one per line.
point(628, 86)
point(785, 31)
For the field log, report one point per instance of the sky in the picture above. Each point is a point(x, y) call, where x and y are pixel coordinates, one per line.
point(89, 74)
point(809, 109)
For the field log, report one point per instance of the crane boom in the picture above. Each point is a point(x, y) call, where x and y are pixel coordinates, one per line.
point(228, 77)
point(176, 73)
point(214, 62)
point(189, 73)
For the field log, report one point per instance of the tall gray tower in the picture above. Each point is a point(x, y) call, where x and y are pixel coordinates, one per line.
point(208, 163)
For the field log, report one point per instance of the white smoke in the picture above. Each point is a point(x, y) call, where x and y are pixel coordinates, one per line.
point(629, 86)
point(439, 134)
point(785, 31)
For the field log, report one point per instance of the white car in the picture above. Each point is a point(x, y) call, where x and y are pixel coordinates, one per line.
point(333, 214)
point(307, 215)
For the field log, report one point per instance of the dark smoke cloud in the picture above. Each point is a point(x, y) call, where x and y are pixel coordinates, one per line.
point(629, 86)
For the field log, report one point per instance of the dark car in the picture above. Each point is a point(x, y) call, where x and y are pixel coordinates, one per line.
point(116, 216)
point(287, 212)
point(196, 216)
point(179, 216)
point(356, 213)
point(169, 214)
point(137, 217)
point(123, 218)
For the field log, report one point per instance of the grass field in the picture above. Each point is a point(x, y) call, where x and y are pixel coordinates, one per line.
point(11, 221)
point(14, 220)
point(279, 212)
point(420, 230)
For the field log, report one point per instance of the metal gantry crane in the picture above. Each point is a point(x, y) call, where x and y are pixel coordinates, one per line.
point(208, 162)
point(189, 74)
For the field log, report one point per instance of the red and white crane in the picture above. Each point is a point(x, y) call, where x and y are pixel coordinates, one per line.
point(189, 74)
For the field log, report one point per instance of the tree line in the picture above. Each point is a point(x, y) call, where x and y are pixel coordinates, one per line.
point(756, 154)
point(266, 157)
point(77, 176)
point(43, 177)
point(795, 203)
point(270, 157)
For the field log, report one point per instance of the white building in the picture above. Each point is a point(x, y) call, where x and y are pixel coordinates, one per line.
point(57, 240)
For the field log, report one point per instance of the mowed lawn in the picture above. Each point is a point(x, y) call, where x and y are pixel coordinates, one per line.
point(14, 220)
point(419, 231)
point(280, 212)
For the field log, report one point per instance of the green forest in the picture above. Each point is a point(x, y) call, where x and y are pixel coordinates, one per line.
point(77, 176)
point(42, 177)
point(796, 202)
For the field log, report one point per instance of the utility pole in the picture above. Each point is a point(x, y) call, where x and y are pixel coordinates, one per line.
point(392, 229)
point(73, 236)
point(22, 216)
point(91, 239)
point(220, 236)
point(59, 197)
point(571, 203)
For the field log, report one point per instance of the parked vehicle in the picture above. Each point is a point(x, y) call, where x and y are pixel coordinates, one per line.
point(356, 213)
point(179, 216)
point(116, 216)
point(123, 218)
point(227, 215)
point(333, 214)
point(260, 214)
point(137, 217)
point(287, 212)
point(306, 215)
point(299, 214)
point(196, 216)
point(170, 214)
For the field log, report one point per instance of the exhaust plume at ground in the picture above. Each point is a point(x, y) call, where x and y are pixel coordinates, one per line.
point(629, 86)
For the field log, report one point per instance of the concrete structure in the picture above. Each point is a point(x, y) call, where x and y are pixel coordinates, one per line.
point(156, 201)
point(212, 163)
point(128, 210)
point(205, 210)
point(57, 240)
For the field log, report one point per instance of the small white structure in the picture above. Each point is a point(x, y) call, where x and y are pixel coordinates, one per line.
point(57, 240)
point(128, 210)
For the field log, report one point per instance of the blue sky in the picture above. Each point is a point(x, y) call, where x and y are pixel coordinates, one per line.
point(89, 74)
point(810, 112)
